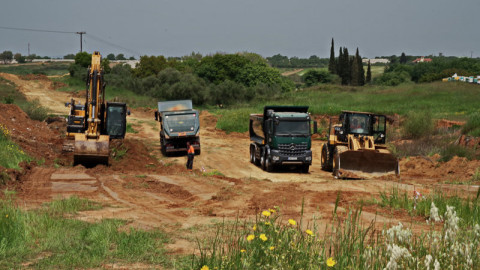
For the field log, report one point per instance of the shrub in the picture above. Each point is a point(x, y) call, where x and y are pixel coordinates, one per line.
point(34, 110)
point(314, 76)
point(393, 78)
point(453, 150)
point(472, 126)
point(418, 124)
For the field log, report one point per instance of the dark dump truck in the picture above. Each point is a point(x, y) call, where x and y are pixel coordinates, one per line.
point(179, 124)
point(281, 136)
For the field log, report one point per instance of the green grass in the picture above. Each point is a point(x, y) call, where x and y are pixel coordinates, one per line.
point(35, 68)
point(130, 129)
point(10, 153)
point(46, 239)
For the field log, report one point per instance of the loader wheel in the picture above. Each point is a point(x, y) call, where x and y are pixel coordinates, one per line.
point(336, 164)
point(325, 160)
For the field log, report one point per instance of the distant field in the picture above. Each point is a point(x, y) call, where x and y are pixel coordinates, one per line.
point(48, 69)
point(454, 101)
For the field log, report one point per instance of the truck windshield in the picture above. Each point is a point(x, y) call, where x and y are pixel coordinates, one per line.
point(180, 122)
point(292, 128)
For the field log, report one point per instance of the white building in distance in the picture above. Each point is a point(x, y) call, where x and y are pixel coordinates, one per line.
point(375, 61)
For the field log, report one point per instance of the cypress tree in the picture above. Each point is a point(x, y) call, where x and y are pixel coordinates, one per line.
point(355, 75)
point(403, 58)
point(361, 71)
point(339, 64)
point(346, 70)
point(368, 79)
point(332, 65)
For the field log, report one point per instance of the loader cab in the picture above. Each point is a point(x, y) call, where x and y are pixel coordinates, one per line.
point(361, 124)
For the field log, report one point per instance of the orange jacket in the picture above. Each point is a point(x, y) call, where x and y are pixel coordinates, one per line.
point(190, 150)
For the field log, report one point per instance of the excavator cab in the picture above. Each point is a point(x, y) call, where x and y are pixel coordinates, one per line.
point(356, 147)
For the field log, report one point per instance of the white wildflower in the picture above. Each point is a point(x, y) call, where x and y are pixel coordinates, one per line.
point(436, 264)
point(451, 224)
point(476, 229)
point(403, 235)
point(396, 255)
point(428, 260)
point(434, 216)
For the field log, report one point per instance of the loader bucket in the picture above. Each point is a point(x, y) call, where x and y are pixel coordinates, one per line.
point(366, 164)
point(90, 152)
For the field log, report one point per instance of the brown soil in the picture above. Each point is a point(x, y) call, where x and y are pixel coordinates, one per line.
point(152, 191)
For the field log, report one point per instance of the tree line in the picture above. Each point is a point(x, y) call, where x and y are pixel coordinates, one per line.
point(214, 79)
point(348, 68)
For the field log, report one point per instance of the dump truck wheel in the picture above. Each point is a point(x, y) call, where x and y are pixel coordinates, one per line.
point(305, 168)
point(197, 152)
point(325, 159)
point(162, 148)
point(262, 162)
point(268, 165)
point(252, 155)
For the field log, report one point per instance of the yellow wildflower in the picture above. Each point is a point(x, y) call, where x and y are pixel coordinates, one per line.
point(268, 223)
point(309, 232)
point(263, 237)
point(272, 248)
point(266, 213)
point(272, 210)
point(292, 222)
point(6, 215)
point(331, 262)
point(255, 227)
point(250, 237)
point(204, 268)
point(243, 250)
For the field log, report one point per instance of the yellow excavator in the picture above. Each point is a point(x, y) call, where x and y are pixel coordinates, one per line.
point(356, 147)
point(93, 124)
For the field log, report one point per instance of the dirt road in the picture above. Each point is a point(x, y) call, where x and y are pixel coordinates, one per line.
point(151, 191)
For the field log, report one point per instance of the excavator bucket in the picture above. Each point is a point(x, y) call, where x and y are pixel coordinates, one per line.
point(91, 151)
point(365, 163)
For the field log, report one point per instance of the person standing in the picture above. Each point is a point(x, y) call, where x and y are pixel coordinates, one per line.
point(190, 155)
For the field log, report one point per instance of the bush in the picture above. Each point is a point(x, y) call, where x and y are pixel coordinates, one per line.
point(418, 125)
point(453, 150)
point(472, 126)
point(393, 78)
point(314, 76)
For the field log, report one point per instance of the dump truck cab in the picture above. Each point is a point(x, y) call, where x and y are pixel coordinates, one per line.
point(356, 148)
point(281, 137)
point(179, 124)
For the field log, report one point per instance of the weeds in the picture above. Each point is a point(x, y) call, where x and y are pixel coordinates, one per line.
point(10, 153)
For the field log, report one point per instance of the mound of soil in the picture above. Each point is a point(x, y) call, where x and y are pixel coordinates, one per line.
point(36, 138)
point(32, 77)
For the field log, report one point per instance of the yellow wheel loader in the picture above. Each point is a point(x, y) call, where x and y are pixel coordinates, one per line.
point(93, 124)
point(356, 147)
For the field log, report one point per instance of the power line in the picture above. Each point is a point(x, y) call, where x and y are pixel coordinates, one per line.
point(112, 44)
point(37, 30)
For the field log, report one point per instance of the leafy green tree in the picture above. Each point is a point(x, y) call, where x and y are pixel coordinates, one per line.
point(150, 65)
point(368, 79)
point(131, 58)
point(220, 67)
point(315, 76)
point(6, 56)
point(83, 59)
point(111, 56)
point(279, 60)
point(19, 58)
point(332, 64)
point(120, 56)
point(253, 74)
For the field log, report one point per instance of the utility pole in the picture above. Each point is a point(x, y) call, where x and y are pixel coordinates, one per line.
point(81, 34)
point(29, 49)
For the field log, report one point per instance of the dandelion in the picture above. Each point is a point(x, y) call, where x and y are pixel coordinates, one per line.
point(204, 267)
point(272, 248)
point(272, 210)
point(243, 251)
point(309, 232)
point(250, 237)
point(268, 223)
point(6, 215)
point(263, 237)
point(292, 222)
point(266, 213)
point(254, 227)
point(331, 262)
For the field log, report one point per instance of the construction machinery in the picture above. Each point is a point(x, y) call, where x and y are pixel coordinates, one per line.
point(356, 147)
point(281, 136)
point(93, 124)
point(179, 124)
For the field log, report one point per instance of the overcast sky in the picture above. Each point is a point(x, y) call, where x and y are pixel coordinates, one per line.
point(290, 27)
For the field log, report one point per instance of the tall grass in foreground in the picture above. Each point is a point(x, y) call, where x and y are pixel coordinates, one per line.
point(274, 243)
point(46, 239)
